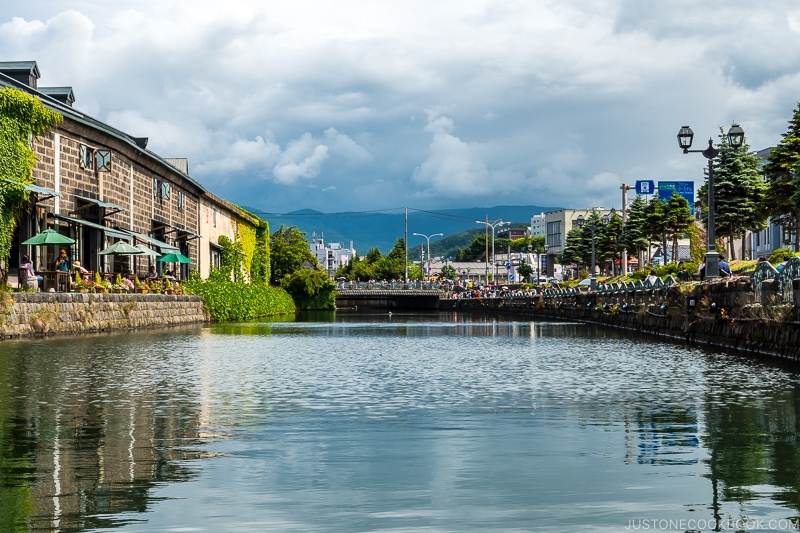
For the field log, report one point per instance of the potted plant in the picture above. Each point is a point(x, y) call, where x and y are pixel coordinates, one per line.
point(140, 287)
point(122, 284)
point(154, 286)
point(168, 288)
point(101, 285)
point(82, 285)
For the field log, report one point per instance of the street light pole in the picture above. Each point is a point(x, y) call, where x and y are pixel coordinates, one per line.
point(493, 225)
point(624, 253)
point(428, 238)
point(735, 140)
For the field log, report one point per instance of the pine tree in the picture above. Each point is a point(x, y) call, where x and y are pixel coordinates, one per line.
point(573, 247)
point(634, 235)
point(609, 239)
point(782, 202)
point(738, 193)
point(679, 220)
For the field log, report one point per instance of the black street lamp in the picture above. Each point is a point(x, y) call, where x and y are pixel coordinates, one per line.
point(546, 268)
point(735, 140)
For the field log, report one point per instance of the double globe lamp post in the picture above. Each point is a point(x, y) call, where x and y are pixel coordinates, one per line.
point(735, 140)
point(493, 225)
point(428, 238)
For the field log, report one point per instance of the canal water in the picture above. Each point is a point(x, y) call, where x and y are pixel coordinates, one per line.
point(379, 423)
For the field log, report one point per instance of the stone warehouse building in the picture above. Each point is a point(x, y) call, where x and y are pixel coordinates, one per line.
point(99, 185)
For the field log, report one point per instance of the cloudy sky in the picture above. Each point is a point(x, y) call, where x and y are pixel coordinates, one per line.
point(369, 104)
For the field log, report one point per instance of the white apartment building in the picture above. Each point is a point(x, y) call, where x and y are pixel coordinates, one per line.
point(331, 256)
point(538, 226)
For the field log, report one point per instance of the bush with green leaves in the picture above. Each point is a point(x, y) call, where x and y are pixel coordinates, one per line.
point(779, 255)
point(227, 300)
point(310, 289)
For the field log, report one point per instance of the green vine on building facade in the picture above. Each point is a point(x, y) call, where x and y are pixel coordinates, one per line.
point(21, 116)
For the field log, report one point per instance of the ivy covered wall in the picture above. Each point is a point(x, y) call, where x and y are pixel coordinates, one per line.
point(21, 116)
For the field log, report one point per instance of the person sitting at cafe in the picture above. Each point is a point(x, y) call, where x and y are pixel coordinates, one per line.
point(27, 275)
point(62, 263)
point(151, 272)
point(169, 275)
point(76, 265)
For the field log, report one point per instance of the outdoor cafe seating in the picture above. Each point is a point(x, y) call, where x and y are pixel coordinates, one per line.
point(58, 280)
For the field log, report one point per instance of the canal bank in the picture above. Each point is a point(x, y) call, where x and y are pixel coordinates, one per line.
point(37, 314)
point(726, 313)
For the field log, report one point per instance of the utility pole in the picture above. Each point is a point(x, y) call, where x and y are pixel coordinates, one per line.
point(405, 275)
point(623, 259)
point(421, 262)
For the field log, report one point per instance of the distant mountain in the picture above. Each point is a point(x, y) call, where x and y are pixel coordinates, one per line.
point(381, 229)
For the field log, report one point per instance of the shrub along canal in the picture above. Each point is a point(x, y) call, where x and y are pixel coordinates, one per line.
point(401, 422)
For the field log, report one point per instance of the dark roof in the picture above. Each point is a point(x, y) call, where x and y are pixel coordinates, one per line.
point(72, 114)
point(27, 67)
point(62, 94)
point(138, 143)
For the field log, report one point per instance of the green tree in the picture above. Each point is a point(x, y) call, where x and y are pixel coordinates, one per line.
point(609, 239)
point(449, 272)
point(634, 232)
point(578, 245)
point(524, 270)
point(574, 249)
point(476, 251)
point(376, 266)
point(679, 220)
point(739, 194)
point(289, 252)
point(782, 201)
point(310, 289)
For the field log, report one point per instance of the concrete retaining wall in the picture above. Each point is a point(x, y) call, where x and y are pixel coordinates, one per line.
point(35, 314)
point(722, 314)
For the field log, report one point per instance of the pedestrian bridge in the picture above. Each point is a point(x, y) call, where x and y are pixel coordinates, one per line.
point(388, 298)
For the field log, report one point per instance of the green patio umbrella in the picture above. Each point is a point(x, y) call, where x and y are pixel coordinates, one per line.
point(174, 258)
point(146, 250)
point(121, 248)
point(48, 236)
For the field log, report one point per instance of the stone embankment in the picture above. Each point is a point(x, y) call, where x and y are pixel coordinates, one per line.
point(725, 313)
point(37, 314)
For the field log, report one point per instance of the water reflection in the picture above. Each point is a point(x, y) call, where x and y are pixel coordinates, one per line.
point(443, 423)
point(88, 427)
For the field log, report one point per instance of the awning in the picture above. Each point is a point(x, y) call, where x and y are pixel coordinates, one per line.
point(100, 203)
point(110, 232)
point(45, 193)
point(164, 247)
point(157, 224)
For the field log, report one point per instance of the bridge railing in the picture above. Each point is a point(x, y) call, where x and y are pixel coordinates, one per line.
point(392, 285)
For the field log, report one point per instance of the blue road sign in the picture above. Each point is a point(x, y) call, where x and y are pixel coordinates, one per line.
point(684, 188)
point(645, 187)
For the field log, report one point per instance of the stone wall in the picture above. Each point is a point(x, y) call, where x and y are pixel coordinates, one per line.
point(726, 314)
point(36, 314)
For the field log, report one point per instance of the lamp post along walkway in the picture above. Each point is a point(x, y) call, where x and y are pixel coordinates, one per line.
point(735, 140)
point(428, 238)
point(493, 225)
